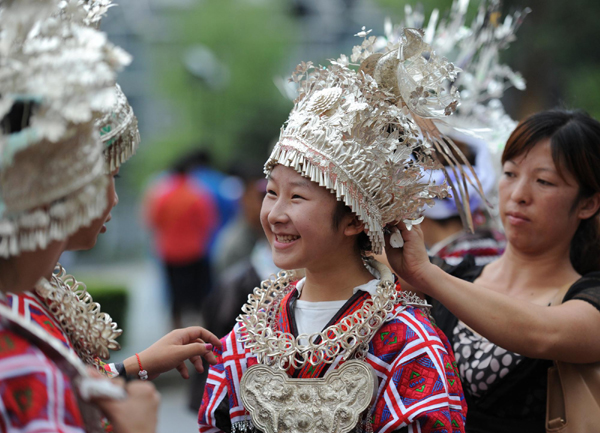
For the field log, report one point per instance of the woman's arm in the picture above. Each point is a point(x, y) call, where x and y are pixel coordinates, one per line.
point(567, 332)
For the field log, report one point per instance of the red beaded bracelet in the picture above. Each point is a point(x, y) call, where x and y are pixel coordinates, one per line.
point(143, 374)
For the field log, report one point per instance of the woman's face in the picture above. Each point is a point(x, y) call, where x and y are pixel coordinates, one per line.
point(297, 217)
point(85, 238)
point(536, 203)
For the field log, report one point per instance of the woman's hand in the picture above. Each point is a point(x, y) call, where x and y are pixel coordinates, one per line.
point(173, 349)
point(137, 413)
point(410, 262)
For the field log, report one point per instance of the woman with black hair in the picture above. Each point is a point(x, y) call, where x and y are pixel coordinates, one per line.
point(497, 317)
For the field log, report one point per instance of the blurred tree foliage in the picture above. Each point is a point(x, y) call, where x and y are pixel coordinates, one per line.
point(239, 120)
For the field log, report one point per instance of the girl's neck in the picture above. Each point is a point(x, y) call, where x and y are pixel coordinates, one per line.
point(517, 270)
point(336, 281)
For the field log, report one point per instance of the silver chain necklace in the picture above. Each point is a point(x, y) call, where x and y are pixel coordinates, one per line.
point(349, 337)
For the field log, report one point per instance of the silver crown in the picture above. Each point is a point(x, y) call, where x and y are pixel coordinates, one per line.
point(475, 48)
point(367, 135)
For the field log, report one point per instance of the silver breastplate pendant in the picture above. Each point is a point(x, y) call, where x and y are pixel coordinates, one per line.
point(333, 404)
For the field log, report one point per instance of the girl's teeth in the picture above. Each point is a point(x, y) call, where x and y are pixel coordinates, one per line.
point(286, 238)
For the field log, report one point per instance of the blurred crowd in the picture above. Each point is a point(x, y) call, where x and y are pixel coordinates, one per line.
point(207, 235)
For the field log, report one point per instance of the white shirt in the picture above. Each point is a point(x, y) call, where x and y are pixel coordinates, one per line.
point(311, 317)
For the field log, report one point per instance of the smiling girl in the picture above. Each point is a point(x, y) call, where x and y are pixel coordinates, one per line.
point(335, 345)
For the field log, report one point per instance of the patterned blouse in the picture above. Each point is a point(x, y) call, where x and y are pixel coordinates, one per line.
point(36, 396)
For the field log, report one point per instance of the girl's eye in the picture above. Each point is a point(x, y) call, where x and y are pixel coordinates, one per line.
point(509, 174)
point(296, 196)
point(271, 192)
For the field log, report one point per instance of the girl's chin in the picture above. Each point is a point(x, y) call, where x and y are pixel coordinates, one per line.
point(286, 263)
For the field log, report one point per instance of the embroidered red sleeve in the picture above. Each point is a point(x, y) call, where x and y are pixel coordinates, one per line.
point(36, 396)
point(30, 306)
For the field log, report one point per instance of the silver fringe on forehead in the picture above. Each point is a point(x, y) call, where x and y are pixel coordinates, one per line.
point(367, 136)
point(117, 124)
point(119, 132)
point(30, 231)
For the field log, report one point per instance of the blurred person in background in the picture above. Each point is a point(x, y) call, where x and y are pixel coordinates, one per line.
point(243, 260)
point(442, 227)
point(225, 190)
point(237, 238)
point(183, 215)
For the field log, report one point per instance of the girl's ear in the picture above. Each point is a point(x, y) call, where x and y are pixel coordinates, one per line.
point(589, 207)
point(353, 226)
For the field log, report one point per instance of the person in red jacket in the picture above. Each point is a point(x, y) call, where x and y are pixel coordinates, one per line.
point(182, 216)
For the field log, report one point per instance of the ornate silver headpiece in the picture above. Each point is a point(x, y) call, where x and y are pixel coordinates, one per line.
point(56, 76)
point(367, 135)
point(480, 120)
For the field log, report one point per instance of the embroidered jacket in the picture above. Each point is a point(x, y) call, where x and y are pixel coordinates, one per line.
point(36, 396)
point(419, 389)
point(30, 306)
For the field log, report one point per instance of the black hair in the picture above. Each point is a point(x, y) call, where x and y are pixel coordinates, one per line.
point(363, 242)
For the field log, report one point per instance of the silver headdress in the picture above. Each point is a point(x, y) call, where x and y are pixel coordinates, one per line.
point(480, 121)
point(56, 76)
point(88, 12)
point(475, 49)
point(367, 135)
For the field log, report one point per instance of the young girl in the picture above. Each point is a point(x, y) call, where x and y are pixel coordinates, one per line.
point(54, 190)
point(51, 184)
point(337, 346)
point(58, 306)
